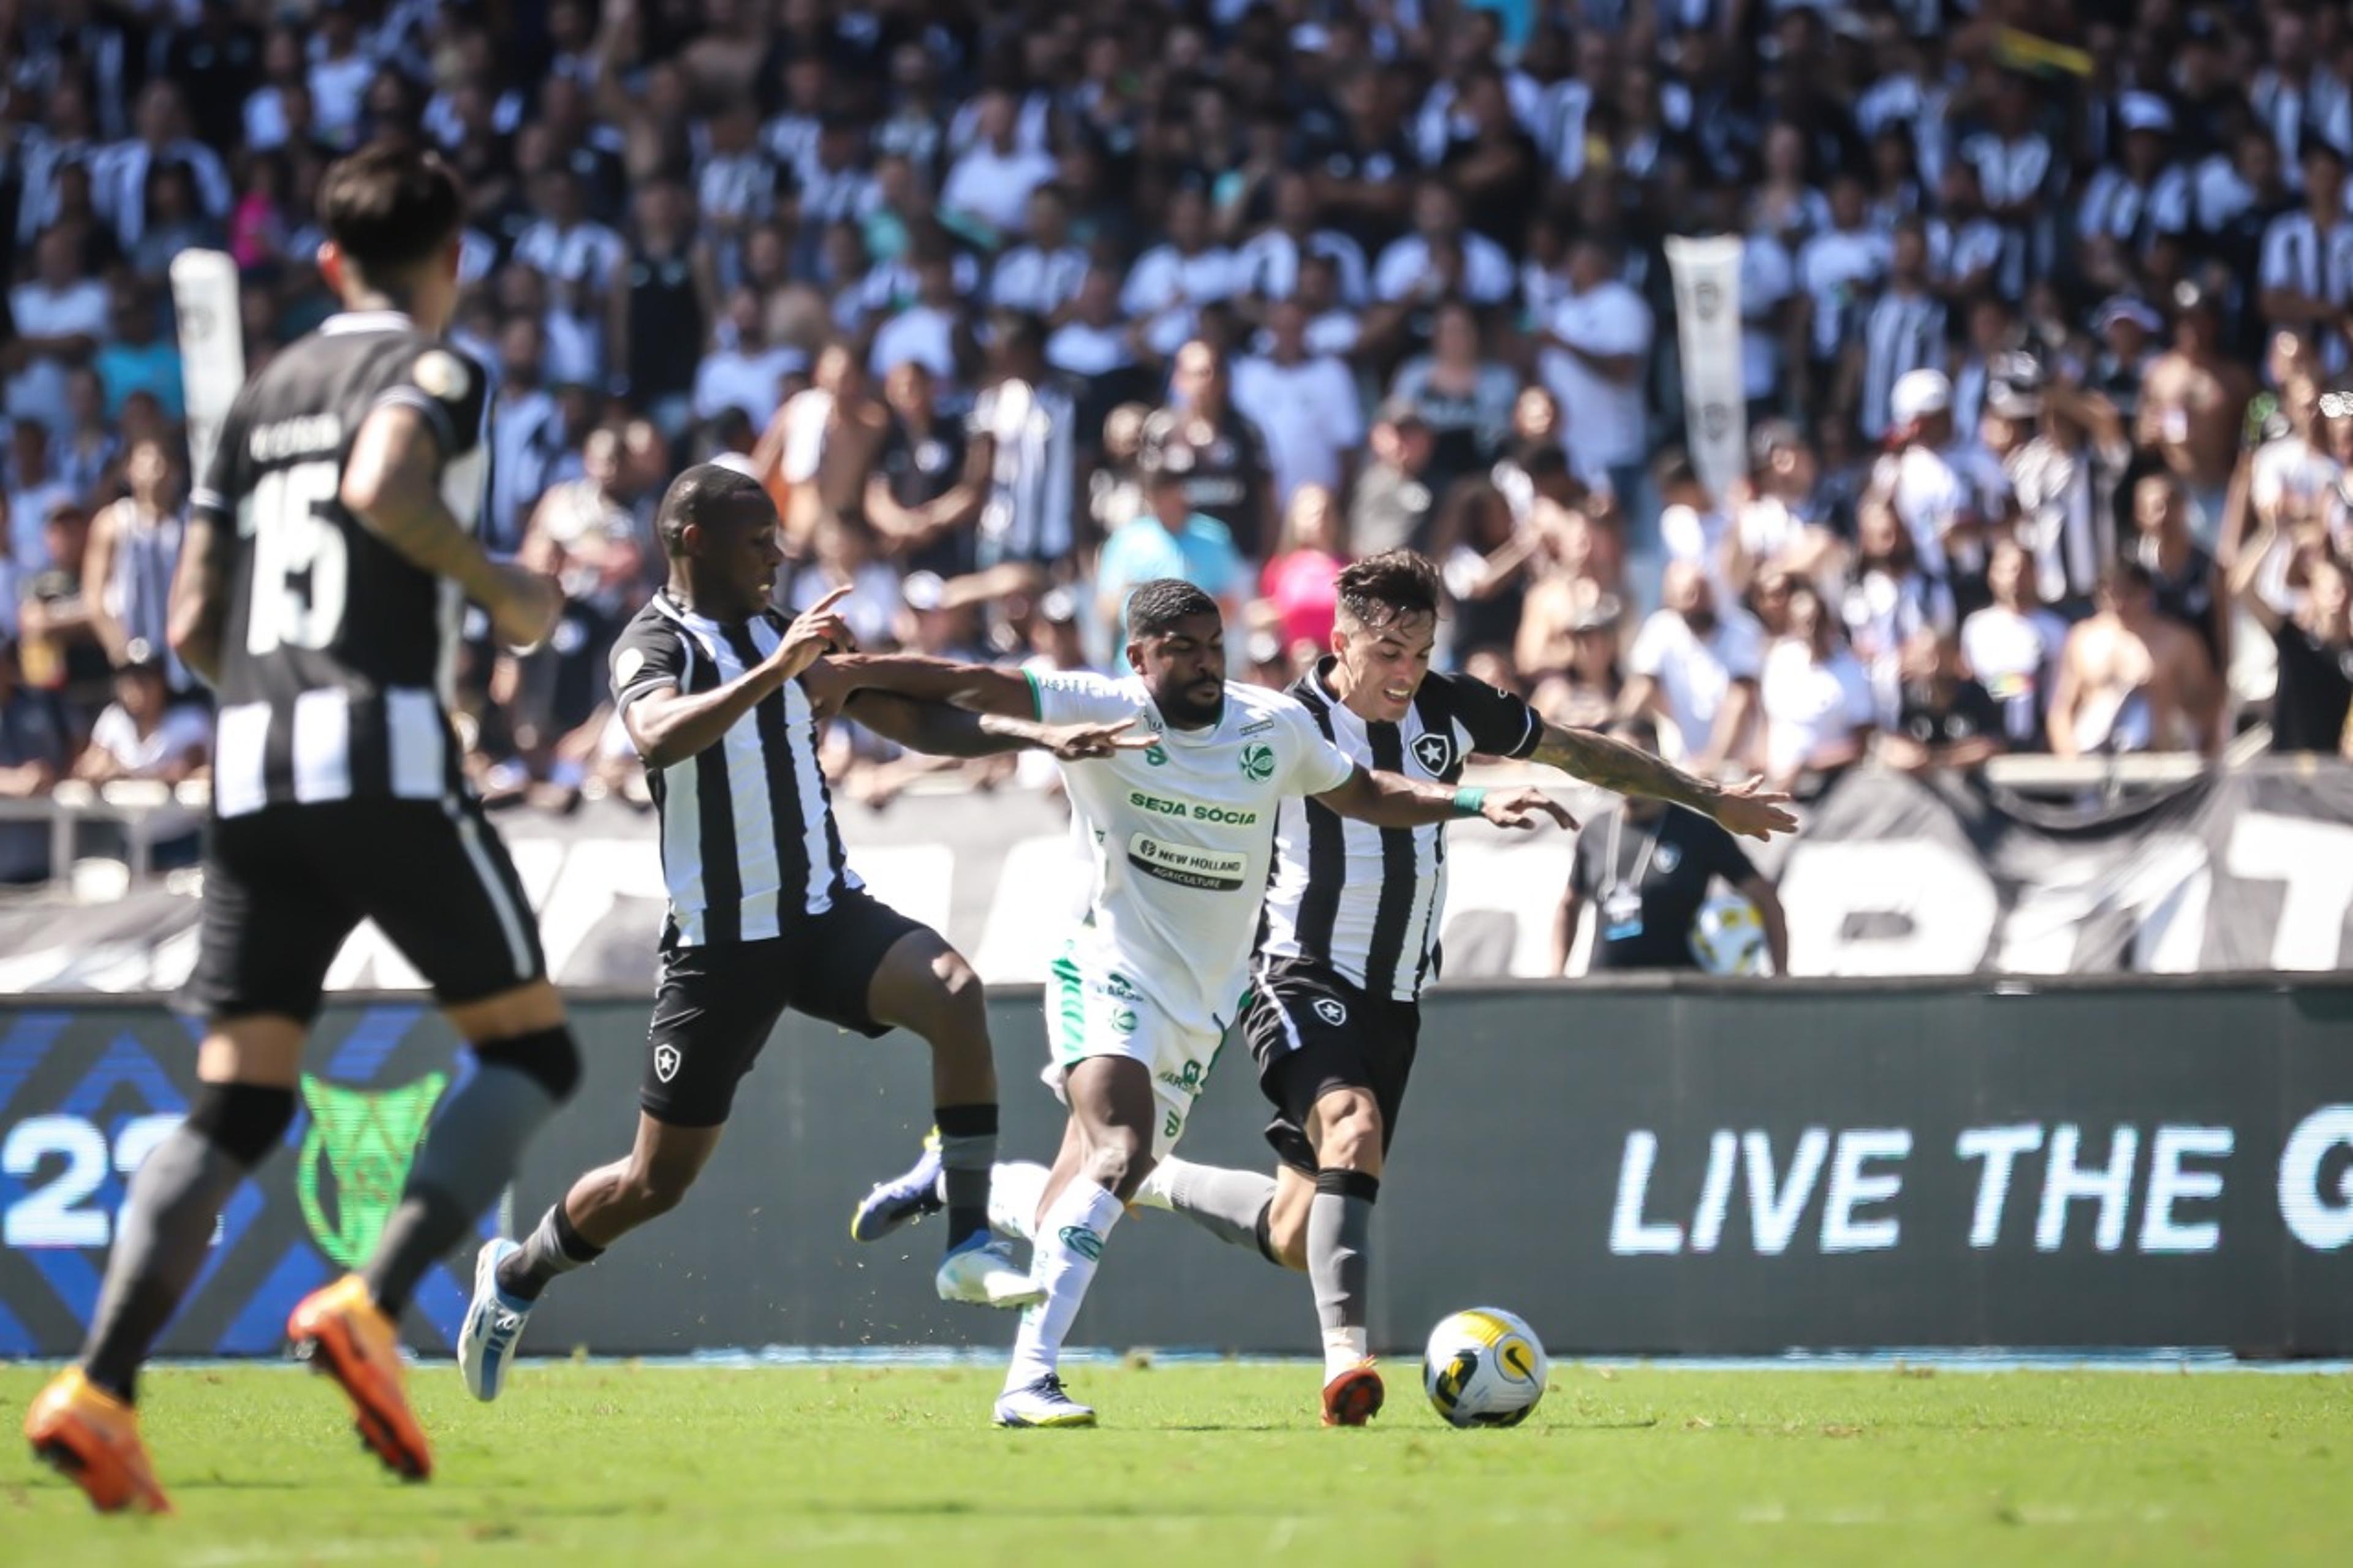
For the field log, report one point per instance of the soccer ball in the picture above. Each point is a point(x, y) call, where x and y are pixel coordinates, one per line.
point(1727, 938)
point(1485, 1367)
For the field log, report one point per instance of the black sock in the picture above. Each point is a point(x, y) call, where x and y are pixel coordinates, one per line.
point(1231, 1205)
point(423, 1230)
point(468, 1158)
point(1339, 1241)
point(555, 1248)
point(1265, 1229)
point(166, 1224)
point(967, 1150)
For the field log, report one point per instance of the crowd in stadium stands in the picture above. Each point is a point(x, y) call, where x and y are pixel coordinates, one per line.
point(2044, 311)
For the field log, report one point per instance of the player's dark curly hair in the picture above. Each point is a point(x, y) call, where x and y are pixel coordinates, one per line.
point(390, 206)
point(1160, 604)
point(1390, 587)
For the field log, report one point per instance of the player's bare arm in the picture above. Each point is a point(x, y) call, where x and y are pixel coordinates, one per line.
point(1748, 809)
point(975, 687)
point(2247, 570)
point(199, 600)
point(1392, 800)
point(944, 730)
point(393, 485)
point(667, 726)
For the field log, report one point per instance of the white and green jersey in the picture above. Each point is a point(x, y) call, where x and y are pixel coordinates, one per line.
point(1183, 835)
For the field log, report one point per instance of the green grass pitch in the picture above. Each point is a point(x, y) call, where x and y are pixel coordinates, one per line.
point(1224, 1464)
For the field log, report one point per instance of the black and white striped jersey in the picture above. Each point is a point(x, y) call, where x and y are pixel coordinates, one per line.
point(748, 841)
point(1028, 511)
point(1364, 901)
point(337, 653)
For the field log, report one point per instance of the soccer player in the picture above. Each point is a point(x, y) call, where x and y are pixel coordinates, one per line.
point(327, 554)
point(720, 696)
point(1184, 833)
point(1350, 937)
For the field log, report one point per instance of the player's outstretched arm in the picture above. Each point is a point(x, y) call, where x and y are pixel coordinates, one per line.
point(668, 725)
point(1604, 760)
point(943, 730)
point(392, 483)
point(975, 687)
point(1392, 800)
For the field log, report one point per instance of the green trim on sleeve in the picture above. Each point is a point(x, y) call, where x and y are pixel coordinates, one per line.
point(1036, 695)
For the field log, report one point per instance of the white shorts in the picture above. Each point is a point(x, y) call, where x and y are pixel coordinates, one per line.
point(1092, 1013)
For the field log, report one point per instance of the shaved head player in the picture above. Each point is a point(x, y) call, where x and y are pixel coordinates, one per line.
point(722, 697)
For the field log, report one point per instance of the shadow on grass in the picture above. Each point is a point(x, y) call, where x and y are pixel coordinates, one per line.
point(1230, 1427)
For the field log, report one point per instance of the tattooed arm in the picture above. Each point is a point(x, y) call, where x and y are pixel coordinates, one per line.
point(392, 483)
point(199, 602)
point(1614, 764)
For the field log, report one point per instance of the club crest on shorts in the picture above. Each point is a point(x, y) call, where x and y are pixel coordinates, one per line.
point(1434, 752)
point(666, 1062)
point(1331, 1010)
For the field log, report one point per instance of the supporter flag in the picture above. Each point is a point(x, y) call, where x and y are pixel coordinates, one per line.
point(212, 347)
point(1707, 318)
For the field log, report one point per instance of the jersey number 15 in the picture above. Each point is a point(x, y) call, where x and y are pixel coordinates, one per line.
point(300, 561)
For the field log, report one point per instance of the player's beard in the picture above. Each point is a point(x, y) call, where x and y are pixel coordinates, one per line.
point(1192, 706)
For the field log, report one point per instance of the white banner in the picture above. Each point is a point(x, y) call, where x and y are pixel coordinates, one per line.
point(1708, 320)
point(2250, 870)
point(212, 348)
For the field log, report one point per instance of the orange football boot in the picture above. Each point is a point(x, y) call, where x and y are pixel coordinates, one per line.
point(92, 1438)
point(340, 1330)
point(1353, 1397)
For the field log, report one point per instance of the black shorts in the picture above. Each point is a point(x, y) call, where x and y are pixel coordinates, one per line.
point(716, 1005)
point(284, 886)
point(1312, 1031)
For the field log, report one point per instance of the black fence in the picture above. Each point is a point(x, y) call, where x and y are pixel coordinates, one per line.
point(1695, 1168)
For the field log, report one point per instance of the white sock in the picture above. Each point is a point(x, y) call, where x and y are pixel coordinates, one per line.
point(1014, 1188)
point(1344, 1348)
point(1084, 1213)
point(1154, 1192)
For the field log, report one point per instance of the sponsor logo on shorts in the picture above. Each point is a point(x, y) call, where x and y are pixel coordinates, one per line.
point(1189, 865)
point(1119, 985)
point(1082, 1241)
point(666, 1060)
point(1331, 1010)
point(1189, 1080)
point(1258, 762)
point(1434, 752)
